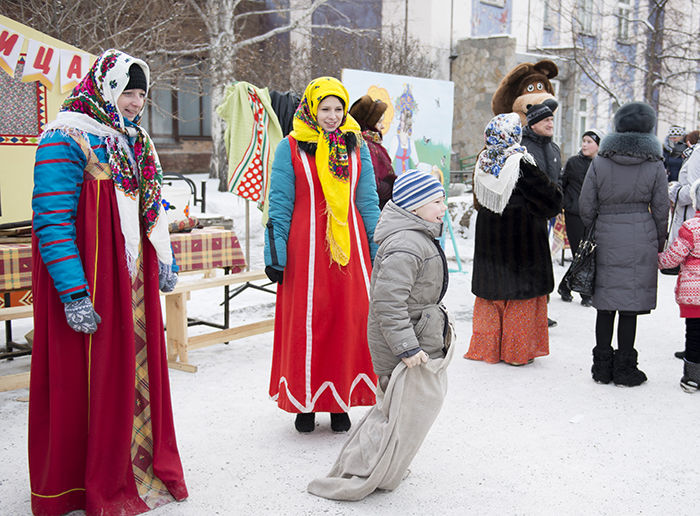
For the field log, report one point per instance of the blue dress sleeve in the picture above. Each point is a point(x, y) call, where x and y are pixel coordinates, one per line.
point(367, 200)
point(58, 179)
point(281, 199)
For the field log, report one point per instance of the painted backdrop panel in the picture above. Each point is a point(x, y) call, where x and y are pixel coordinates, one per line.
point(418, 122)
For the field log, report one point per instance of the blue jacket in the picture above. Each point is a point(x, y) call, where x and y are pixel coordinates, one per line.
point(58, 180)
point(282, 194)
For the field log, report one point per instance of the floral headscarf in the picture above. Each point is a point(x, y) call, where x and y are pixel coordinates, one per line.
point(92, 108)
point(331, 159)
point(502, 137)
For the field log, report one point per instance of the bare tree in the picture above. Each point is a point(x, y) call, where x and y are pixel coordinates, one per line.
point(188, 42)
point(653, 49)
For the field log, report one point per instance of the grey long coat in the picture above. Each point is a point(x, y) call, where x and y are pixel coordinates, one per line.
point(626, 186)
point(409, 279)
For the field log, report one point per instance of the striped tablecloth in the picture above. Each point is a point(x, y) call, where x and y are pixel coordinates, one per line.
point(199, 250)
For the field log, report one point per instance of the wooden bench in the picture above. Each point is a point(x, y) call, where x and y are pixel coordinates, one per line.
point(179, 343)
point(11, 382)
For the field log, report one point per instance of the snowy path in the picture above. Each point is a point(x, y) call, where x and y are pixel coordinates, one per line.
point(542, 439)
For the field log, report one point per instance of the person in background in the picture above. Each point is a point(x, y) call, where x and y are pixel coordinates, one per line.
point(674, 145)
point(512, 264)
point(691, 139)
point(101, 432)
point(625, 196)
point(319, 247)
point(679, 192)
point(537, 139)
point(570, 182)
point(370, 115)
point(685, 251)
point(410, 338)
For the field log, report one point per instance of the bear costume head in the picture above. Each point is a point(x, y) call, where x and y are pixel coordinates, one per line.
point(525, 85)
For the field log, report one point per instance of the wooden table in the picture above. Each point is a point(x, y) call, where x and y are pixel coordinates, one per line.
point(198, 251)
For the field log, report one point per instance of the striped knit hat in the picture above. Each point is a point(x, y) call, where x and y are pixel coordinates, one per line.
point(414, 189)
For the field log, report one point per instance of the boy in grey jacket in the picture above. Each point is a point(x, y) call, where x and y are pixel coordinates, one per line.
point(409, 278)
point(407, 327)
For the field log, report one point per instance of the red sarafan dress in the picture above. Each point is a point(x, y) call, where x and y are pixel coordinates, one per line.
point(101, 434)
point(321, 360)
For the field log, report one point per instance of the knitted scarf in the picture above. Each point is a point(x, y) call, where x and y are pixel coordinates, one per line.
point(92, 108)
point(331, 159)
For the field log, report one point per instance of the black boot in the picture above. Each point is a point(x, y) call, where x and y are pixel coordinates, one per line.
point(625, 371)
point(340, 422)
point(565, 293)
point(602, 369)
point(691, 376)
point(305, 423)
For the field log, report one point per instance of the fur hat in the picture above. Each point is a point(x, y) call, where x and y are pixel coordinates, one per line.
point(594, 134)
point(635, 117)
point(537, 113)
point(414, 189)
point(137, 79)
point(368, 111)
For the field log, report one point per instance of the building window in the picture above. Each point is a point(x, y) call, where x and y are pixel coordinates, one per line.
point(497, 3)
point(582, 117)
point(185, 112)
point(194, 107)
point(624, 12)
point(585, 16)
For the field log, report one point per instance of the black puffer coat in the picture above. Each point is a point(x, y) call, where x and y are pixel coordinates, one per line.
point(511, 251)
point(571, 181)
point(545, 151)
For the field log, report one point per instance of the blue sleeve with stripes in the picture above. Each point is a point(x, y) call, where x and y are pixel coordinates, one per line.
point(58, 178)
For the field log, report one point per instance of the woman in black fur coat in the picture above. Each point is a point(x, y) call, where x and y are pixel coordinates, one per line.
point(512, 263)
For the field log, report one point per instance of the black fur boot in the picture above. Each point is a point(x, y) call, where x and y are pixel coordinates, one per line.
point(625, 371)
point(602, 369)
point(691, 376)
point(305, 423)
point(340, 422)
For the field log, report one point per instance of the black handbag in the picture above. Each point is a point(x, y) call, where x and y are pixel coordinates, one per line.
point(581, 274)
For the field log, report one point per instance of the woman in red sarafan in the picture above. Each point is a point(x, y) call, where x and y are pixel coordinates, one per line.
point(323, 208)
point(101, 434)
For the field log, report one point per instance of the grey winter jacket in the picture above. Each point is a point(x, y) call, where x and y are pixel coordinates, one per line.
point(626, 187)
point(409, 279)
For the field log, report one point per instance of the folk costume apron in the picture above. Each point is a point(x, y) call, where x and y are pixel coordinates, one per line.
point(321, 360)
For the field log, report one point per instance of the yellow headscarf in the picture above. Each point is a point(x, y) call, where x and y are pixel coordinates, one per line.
point(331, 159)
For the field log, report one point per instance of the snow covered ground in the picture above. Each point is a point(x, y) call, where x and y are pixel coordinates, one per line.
point(541, 439)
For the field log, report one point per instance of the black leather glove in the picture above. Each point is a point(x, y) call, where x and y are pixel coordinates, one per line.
point(276, 276)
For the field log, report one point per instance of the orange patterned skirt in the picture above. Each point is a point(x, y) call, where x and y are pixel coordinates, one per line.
point(514, 331)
